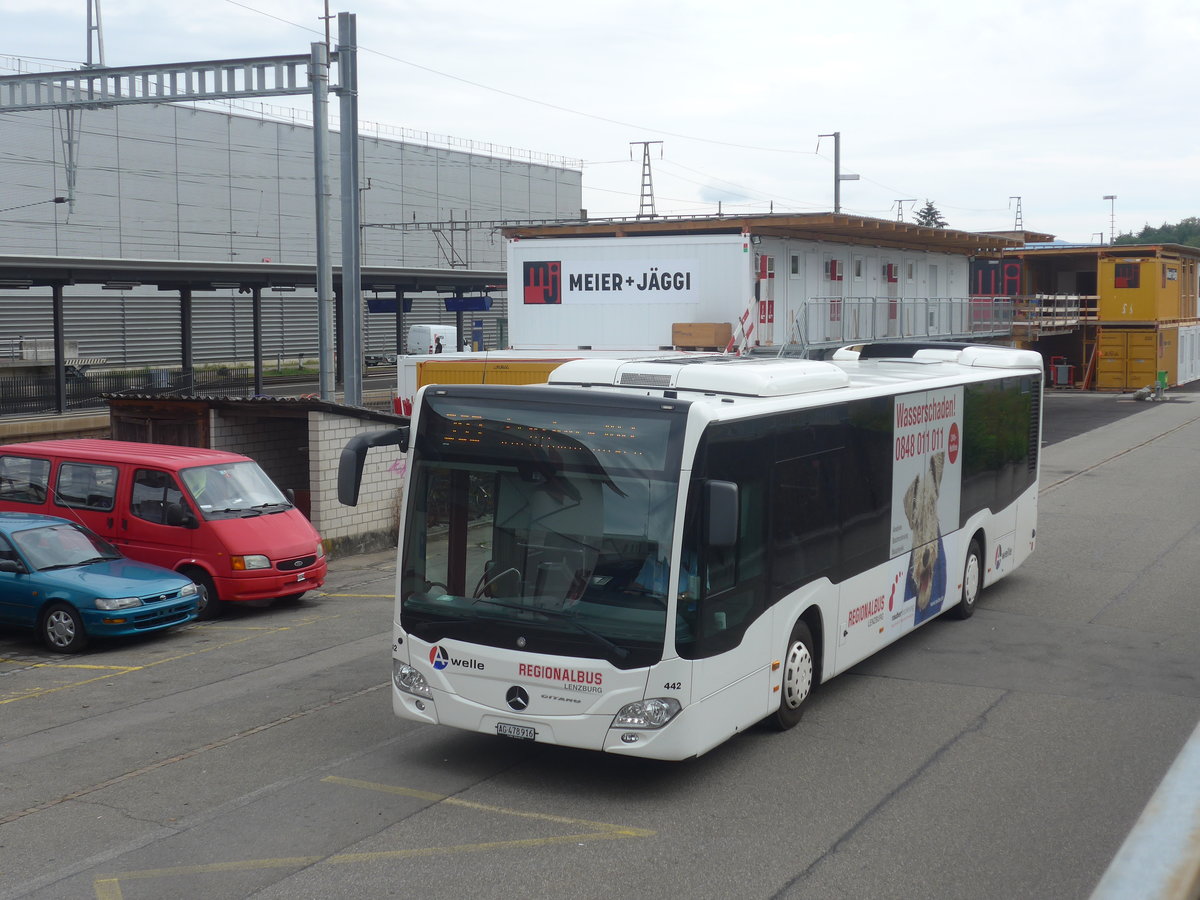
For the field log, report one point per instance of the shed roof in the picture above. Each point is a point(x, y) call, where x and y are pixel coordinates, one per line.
point(1058, 248)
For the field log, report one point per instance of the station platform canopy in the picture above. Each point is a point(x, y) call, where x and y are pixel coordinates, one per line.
point(185, 278)
point(173, 275)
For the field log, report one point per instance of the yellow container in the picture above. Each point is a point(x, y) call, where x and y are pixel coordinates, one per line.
point(1128, 360)
point(509, 371)
point(1128, 288)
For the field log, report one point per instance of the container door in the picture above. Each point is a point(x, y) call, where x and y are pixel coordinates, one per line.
point(1143, 360)
point(1110, 368)
point(150, 529)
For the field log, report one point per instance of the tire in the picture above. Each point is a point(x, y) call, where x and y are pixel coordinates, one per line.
point(798, 678)
point(210, 603)
point(972, 581)
point(61, 629)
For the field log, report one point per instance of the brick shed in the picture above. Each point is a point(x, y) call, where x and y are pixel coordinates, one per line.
point(297, 441)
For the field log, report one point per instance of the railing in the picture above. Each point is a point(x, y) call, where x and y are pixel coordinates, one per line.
point(1160, 859)
point(1052, 312)
point(832, 321)
point(25, 393)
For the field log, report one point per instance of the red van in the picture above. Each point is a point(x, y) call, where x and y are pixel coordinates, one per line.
point(213, 516)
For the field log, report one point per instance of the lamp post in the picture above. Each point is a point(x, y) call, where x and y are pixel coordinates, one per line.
point(838, 177)
point(1112, 217)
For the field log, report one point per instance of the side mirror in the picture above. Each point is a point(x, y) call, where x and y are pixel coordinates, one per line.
point(354, 456)
point(11, 566)
point(722, 506)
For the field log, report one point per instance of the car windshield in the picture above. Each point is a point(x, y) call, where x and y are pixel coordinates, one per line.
point(61, 547)
point(534, 527)
point(233, 490)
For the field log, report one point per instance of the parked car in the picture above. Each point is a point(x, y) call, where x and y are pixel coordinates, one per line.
point(72, 585)
point(213, 516)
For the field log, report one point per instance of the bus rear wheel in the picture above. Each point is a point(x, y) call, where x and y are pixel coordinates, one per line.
point(798, 675)
point(972, 581)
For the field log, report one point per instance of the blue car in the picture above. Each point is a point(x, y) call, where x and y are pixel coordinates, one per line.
point(71, 585)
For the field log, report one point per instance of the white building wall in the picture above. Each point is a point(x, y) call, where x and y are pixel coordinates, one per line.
point(716, 286)
point(802, 272)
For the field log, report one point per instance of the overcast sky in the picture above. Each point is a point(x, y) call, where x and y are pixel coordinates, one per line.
point(966, 104)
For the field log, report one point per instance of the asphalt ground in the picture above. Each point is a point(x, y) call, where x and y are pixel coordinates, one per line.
point(1002, 757)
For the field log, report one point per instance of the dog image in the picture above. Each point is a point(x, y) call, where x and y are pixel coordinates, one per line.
point(926, 581)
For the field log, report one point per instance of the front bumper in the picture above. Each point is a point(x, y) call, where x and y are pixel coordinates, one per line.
point(270, 584)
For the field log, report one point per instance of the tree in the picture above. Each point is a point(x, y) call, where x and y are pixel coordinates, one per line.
point(930, 216)
point(1186, 232)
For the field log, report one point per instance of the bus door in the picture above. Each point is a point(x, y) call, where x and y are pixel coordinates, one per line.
point(724, 627)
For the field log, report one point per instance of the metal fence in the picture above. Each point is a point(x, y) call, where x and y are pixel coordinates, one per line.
point(29, 393)
point(832, 321)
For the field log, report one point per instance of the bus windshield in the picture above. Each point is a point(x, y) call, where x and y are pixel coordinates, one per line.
point(535, 528)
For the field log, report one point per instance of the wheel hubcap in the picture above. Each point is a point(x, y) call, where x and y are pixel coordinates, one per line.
point(971, 580)
point(60, 629)
point(797, 675)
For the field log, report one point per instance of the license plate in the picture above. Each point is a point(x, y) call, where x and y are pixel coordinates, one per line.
point(520, 732)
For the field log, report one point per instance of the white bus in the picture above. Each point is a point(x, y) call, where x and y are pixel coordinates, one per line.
point(649, 556)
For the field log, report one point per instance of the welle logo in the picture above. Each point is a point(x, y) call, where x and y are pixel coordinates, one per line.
point(440, 659)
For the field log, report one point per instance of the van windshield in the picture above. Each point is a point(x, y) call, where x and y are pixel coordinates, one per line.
point(233, 490)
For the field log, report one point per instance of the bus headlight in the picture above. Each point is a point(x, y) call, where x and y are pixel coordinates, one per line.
point(653, 713)
point(409, 680)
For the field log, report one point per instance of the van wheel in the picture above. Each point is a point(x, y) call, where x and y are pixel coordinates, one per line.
point(210, 603)
point(62, 629)
point(798, 674)
point(972, 581)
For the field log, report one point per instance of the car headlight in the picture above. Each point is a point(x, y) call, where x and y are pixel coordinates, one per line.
point(188, 589)
point(409, 680)
point(117, 602)
point(653, 713)
point(241, 563)
point(320, 549)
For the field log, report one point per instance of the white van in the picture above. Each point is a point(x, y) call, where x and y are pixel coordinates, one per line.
point(424, 339)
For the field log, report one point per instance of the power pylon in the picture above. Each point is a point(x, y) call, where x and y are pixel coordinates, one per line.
point(646, 205)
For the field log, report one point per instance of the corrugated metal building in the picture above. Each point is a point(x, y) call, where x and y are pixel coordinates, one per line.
point(177, 182)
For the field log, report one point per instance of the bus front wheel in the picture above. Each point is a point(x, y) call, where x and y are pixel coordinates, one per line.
point(798, 674)
point(972, 581)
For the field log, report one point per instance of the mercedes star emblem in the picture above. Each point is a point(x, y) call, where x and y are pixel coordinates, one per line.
point(518, 698)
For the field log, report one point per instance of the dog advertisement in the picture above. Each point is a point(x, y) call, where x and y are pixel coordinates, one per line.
point(926, 487)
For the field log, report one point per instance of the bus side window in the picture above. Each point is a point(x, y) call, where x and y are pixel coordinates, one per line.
point(807, 536)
